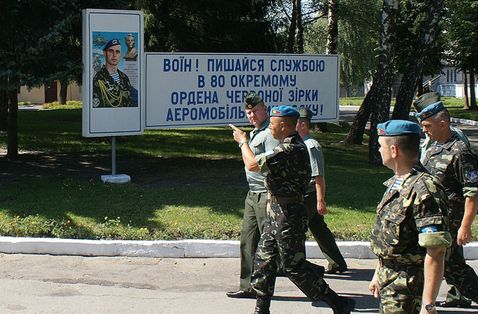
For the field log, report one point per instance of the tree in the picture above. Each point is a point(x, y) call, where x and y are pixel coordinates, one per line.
point(421, 42)
point(208, 25)
point(377, 100)
point(34, 48)
point(357, 40)
point(462, 37)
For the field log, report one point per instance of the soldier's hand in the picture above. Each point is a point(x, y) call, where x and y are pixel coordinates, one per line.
point(373, 287)
point(321, 207)
point(464, 235)
point(239, 135)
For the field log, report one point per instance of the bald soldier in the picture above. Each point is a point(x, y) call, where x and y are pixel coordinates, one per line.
point(287, 172)
point(410, 235)
point(111, 87)
point(456, 167)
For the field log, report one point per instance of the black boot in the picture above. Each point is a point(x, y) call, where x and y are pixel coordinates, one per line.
point(340, 305)
point(262, 305)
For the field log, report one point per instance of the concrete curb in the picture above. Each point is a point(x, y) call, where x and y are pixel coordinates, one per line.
point(172, 249)
point(464, 121)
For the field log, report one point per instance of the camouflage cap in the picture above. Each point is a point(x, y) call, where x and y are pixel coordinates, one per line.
point(430, 110)
point(424, 100)
point(397, 127)
point(252, 100)
point(305, 113)
point(112, 42)
point(284, 111)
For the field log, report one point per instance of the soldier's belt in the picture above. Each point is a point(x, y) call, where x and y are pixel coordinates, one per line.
point(286, 200)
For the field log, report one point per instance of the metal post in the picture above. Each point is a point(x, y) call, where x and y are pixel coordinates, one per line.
point(113, 155)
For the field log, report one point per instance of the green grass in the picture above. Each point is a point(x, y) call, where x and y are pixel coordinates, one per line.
point(186, 183)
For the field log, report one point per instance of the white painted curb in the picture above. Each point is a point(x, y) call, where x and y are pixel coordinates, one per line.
point(173, 249)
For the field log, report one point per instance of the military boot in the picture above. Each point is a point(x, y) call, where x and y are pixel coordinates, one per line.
point(340, 305)
point(262, 305)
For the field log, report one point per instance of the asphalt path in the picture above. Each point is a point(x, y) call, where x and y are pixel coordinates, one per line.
point(76, 284)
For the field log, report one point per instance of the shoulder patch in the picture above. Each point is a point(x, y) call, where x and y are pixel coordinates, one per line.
point(429, 229)
point(472, 176)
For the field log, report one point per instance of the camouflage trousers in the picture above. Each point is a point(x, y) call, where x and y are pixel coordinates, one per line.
point(457, 273)
point(401, 288)
point(283, 240)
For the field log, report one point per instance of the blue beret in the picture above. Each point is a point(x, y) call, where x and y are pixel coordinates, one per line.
point(113, 42)
point(397, 127)
point(430, 110)
point(284, 111)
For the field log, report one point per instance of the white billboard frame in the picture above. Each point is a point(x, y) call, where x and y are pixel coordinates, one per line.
point(170, 90)
point(118, 114)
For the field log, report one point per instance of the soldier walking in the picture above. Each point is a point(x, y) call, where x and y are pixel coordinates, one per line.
point(410, 234)
point(456, 167)
point(287, 172)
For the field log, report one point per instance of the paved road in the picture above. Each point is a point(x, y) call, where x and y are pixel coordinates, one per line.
point(73, 284)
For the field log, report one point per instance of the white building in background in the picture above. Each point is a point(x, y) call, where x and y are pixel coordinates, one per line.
point(450, 83)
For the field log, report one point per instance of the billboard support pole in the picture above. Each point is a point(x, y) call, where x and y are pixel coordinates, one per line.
point(115, 178)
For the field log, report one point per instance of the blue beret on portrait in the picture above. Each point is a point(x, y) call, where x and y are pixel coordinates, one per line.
point(284, 111)
point(430, 110)
point(397, 127)
point(113, 42)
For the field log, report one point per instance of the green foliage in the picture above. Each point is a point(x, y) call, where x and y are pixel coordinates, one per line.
point(462, 32)
point(209, 26)
point(357, 39)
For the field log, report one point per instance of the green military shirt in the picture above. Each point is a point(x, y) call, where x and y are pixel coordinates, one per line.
point(108, 93)
point(455, 166)
point(410, 219)
point(261, 141)
point(316, 160)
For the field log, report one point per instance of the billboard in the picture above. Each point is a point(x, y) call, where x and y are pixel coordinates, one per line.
point(199, 89)
point(112, 73)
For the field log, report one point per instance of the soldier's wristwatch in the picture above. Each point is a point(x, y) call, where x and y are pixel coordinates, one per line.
point(430, 307)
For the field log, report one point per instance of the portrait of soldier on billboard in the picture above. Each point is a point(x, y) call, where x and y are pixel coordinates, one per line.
point(112, 87)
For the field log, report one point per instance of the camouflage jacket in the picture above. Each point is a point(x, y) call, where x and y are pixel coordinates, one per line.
point(107, 93)
point(417, 203)
point(455, 166)
point(287, 168)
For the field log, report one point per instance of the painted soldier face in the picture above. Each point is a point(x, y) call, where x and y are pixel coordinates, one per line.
point(112, 55)
point(256, 115)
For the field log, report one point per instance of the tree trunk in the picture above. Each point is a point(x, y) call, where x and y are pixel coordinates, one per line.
point(377, 100)
point(472, 90)
point(3, 110)
point(300, 28)
point(420, 85)
point(292, 28)
point(427, 35)
point(63, 91)
point(12, 127)
point(332, 29)
point(465, 90)
point(332, 33)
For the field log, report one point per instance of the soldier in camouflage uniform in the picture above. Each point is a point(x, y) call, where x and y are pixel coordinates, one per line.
point(410, 234)
point(287, 172)
point(111, 87)
point(455, 165)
